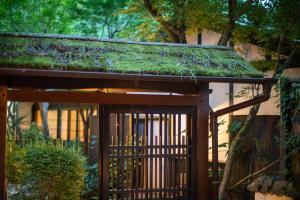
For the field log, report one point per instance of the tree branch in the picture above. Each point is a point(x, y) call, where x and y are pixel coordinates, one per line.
point(232, 7)
point(243, 10)
point(172, 31)
point(233, 149)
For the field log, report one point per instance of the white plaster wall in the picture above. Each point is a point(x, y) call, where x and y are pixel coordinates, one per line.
point(209, 37)
point(192, 38)
point(220, 98)
point(249, 52)
point(25, 111)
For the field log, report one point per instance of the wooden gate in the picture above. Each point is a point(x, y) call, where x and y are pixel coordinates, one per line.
point(147, 152)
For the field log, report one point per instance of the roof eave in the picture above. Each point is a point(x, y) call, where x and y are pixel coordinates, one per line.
point(135, 77)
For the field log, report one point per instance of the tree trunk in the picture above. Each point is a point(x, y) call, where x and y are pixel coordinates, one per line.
point(233, 149)
point(227, 34)
point(44, 116)
point(86, 139)
point(177, 34)
point(86, 126)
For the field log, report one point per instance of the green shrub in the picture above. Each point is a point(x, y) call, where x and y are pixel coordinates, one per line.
point(44, 168)
point(91, 183)
point(54, 172)
point(15, 165)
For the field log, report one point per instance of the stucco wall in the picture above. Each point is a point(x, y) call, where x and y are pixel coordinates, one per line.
point(220, 95)
point(25, 112)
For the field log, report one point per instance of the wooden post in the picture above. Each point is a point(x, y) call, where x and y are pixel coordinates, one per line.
point(3, 113)
point(69, 126)
point(202, 143)
point(58, 130)
point(103, 160)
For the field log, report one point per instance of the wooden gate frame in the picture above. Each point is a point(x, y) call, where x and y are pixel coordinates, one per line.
point(104, 124)
point(200, 100)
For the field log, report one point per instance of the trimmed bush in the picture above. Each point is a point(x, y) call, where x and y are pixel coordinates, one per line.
point(15, 165)
point(53, 172)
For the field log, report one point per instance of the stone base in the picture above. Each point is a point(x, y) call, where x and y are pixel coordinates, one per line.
point(261, 196)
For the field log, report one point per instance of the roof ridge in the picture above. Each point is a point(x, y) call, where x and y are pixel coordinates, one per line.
point(97, 39)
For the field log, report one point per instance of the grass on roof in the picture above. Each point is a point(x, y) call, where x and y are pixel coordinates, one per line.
point(110, 57)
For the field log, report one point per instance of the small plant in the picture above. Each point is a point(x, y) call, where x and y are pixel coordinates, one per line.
point(33, 135)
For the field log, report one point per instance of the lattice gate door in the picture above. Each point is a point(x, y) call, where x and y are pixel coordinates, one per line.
point(150, 152)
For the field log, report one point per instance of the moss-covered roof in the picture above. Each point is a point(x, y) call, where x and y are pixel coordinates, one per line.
point(92, 54)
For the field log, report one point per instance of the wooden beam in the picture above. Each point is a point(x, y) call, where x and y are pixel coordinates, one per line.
point(100, 98)
point(40, 82)
point(3, 114)
point(10, 72)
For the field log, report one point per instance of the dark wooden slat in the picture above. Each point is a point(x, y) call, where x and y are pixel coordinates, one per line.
point(122, 154)
point(118, 170)
point(137, 137)
point(133, 153)
point(147, 151)
point(3, 111)
point(157, 147)
point(142, 144)
point(101, 98)
point(174, 153)
point(77, 125)
point(59, 121)
point(69, 125)
point(151, 153)
point(153, 156)
point(165, 151)
point(169, 161)
point(161, 153)
point(179, 152)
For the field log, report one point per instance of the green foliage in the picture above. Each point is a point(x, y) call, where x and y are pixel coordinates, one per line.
point(46, 16)
point(44, 168)
point(234, 127)
point(91, 182)
point(15, 164)
point(289, 102)
point(53, 172)
point(33, 135)
point(263, 65)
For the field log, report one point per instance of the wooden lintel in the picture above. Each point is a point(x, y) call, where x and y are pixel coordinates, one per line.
point(101, 98)
point(33, 82)
point(3, 114)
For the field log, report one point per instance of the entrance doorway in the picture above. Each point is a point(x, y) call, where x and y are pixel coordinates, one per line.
point(147, 152)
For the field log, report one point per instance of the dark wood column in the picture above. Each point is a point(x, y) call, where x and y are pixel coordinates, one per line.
point(3, 113)
point(58, 130)
point(202, 143)
point(69, 125)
